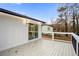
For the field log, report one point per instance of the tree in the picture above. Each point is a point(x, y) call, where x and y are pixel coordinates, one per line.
point(63, 11)
point(75, 12)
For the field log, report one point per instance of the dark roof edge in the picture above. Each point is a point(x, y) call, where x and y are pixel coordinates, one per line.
point(17, 14)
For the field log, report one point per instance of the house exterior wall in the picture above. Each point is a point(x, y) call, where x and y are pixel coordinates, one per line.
point(47, 29)
point(13, 31)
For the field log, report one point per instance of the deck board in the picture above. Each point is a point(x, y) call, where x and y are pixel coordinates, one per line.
point(41, 48)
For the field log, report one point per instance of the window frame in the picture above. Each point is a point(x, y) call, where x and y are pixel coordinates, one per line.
point(33, 31)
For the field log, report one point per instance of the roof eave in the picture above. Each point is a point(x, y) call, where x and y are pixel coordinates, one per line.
point(19, 15)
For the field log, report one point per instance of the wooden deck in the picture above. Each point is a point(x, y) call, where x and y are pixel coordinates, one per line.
point(41, 48)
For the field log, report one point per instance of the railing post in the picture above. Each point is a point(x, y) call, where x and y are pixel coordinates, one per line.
point(77, 49)
point(52, 35)
point(74, 43)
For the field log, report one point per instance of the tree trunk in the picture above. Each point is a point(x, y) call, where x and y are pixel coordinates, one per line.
point(66, 28)
point(76, 25)
point(73, 22)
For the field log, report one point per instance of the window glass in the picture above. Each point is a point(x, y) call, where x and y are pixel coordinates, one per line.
point(33, 31)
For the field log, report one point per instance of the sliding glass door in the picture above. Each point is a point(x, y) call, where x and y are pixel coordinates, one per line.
point(33, 31)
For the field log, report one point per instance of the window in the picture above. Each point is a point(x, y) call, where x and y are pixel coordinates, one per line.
point(48, 28)
point(33, 31)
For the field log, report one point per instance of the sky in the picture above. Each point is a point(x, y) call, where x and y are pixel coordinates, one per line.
point(41, 11)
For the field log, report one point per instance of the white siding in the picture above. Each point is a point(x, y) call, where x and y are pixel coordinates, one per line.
point(13, 31)
point(39, 31)
point(46, 30)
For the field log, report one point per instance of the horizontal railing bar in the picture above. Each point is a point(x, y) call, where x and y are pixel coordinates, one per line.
point(73, 34)
point(62, 32)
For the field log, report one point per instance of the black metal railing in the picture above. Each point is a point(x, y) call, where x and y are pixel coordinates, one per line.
point(74, 42)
